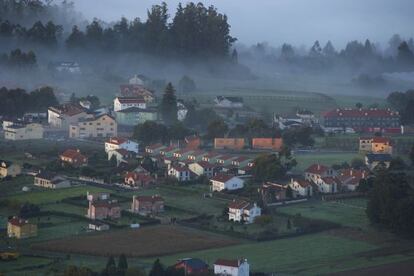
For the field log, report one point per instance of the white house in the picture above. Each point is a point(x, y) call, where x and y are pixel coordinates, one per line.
point(316, 171)
point(229, 102)
point(180, 173)
point(328, 185)
point(243, 211)
point(181, 111)
point(121, 103)
point(121, 143)
point(231, 267)
point(121, 155)
point(202, 168)
point(301, 187)
point(226, 181)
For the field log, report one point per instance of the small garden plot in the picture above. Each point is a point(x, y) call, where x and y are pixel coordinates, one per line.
point(144, 242)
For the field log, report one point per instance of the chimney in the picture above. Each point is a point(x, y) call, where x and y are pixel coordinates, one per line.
point(319, 166)
point(351, 171)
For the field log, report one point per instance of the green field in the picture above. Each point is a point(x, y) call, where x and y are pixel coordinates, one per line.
point(306, 159)
point(50, 196)
point(345, 212)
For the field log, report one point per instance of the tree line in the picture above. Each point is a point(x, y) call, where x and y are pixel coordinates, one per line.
point(19, 59)
point(403, 102)
point(195, 30)
point(16, 102)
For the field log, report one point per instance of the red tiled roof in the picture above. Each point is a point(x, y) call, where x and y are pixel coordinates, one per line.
point(139, 176)
point(72, 154)
point(180, 169)
point(330, 180)
point(317, 169)
point(383, 140)
point(67, 109)
point(205, 164)
point(222, 177)
point(303, 183)
point(239, 204)
point(361, 113)
point(149, 198)
point(155, 146)
point(18, 221)
point(117, 140)
point(226, 157)
point(230, 263)
point(105, 204)
point(241, 159)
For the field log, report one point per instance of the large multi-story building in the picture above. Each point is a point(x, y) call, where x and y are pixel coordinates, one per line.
point(133, 116)
point(95, 126)
point(63, 115)
point(22, 131)
point(121, 103)
point(363, 119)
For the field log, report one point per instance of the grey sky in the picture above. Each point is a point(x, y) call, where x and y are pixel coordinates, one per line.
point(293, 21)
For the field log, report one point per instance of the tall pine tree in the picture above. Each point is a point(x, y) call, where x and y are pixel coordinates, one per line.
point(168, 107)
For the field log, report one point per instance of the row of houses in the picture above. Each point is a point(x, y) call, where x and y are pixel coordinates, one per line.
point(273, 144)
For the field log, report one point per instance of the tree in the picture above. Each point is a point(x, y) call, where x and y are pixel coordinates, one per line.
point(357, 163)
point(359, 105)
point(287, 51)
point(76, 39)
point(405, 55)
point(150, 132)
point(316, 50)
point(412, 155)
point(135, 272)
point(122, 264)
point(235, 56)
point(110, 268)
point(168, 106)
point(268, 167)
point(157, 269)
point(329, 50)
point(217, 129)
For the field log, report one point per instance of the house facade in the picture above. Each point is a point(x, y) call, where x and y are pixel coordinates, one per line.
point(63, 115)
point(179, 173)
point(239, 267)
point(375, 145)
point(50, 180)
point(243, 211)
point(121, 103)
point(17, 132)
point(222, 182)
point(316, 171)
point(202, 168)
point(192, 266)
point(9, 169)
point(328, 185)
point(229, 102)
point(372, 160)
point(20, 228)
point(350, 178)
point(137, 179)
point(133, 115)
point(115, 143)
point(100, 208)
point(147, 205)
point(301, 187)
point(97, 126)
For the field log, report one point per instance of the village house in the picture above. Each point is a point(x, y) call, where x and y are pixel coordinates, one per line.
point(182, 154)
point(136, 179)
point(328, 185)
point(196, 155)
point(147, 205)
point(243, 211)
point(273, 192)
point(229, 102)
point(301, 187)
point(211, 157)
point(121, 156)
point(229, 143)
point(182, 110)
point(192, 266)
point(64, 115)
point(239, 267)
point(9, 169)
point(103, 208)
point(168, 152)
point(225, 159)
point(50, 180)
point(92, 127)
point(372, 160)
point(20, 228)
point(228, 182)
point(85, 104)
point(115, 143)
point(74, 158)
point(375, 145)
point(133, 116)
point(350, 178)
point(121, 103)
point(316, 171)
point(241, 161)
point(22, 131)
point(68, 67)
point(287, 122)
point(202, 168)
point(368, 120)
point(136, 91)
point(192, 142)
point(274, 144)
point(179, 173)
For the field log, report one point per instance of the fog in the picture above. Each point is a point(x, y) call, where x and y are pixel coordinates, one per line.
point(293, 21)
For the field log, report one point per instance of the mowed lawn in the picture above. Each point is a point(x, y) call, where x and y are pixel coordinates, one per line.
point(306, 159)
point(307, 255)
point(345, 212)
point(46, 196)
